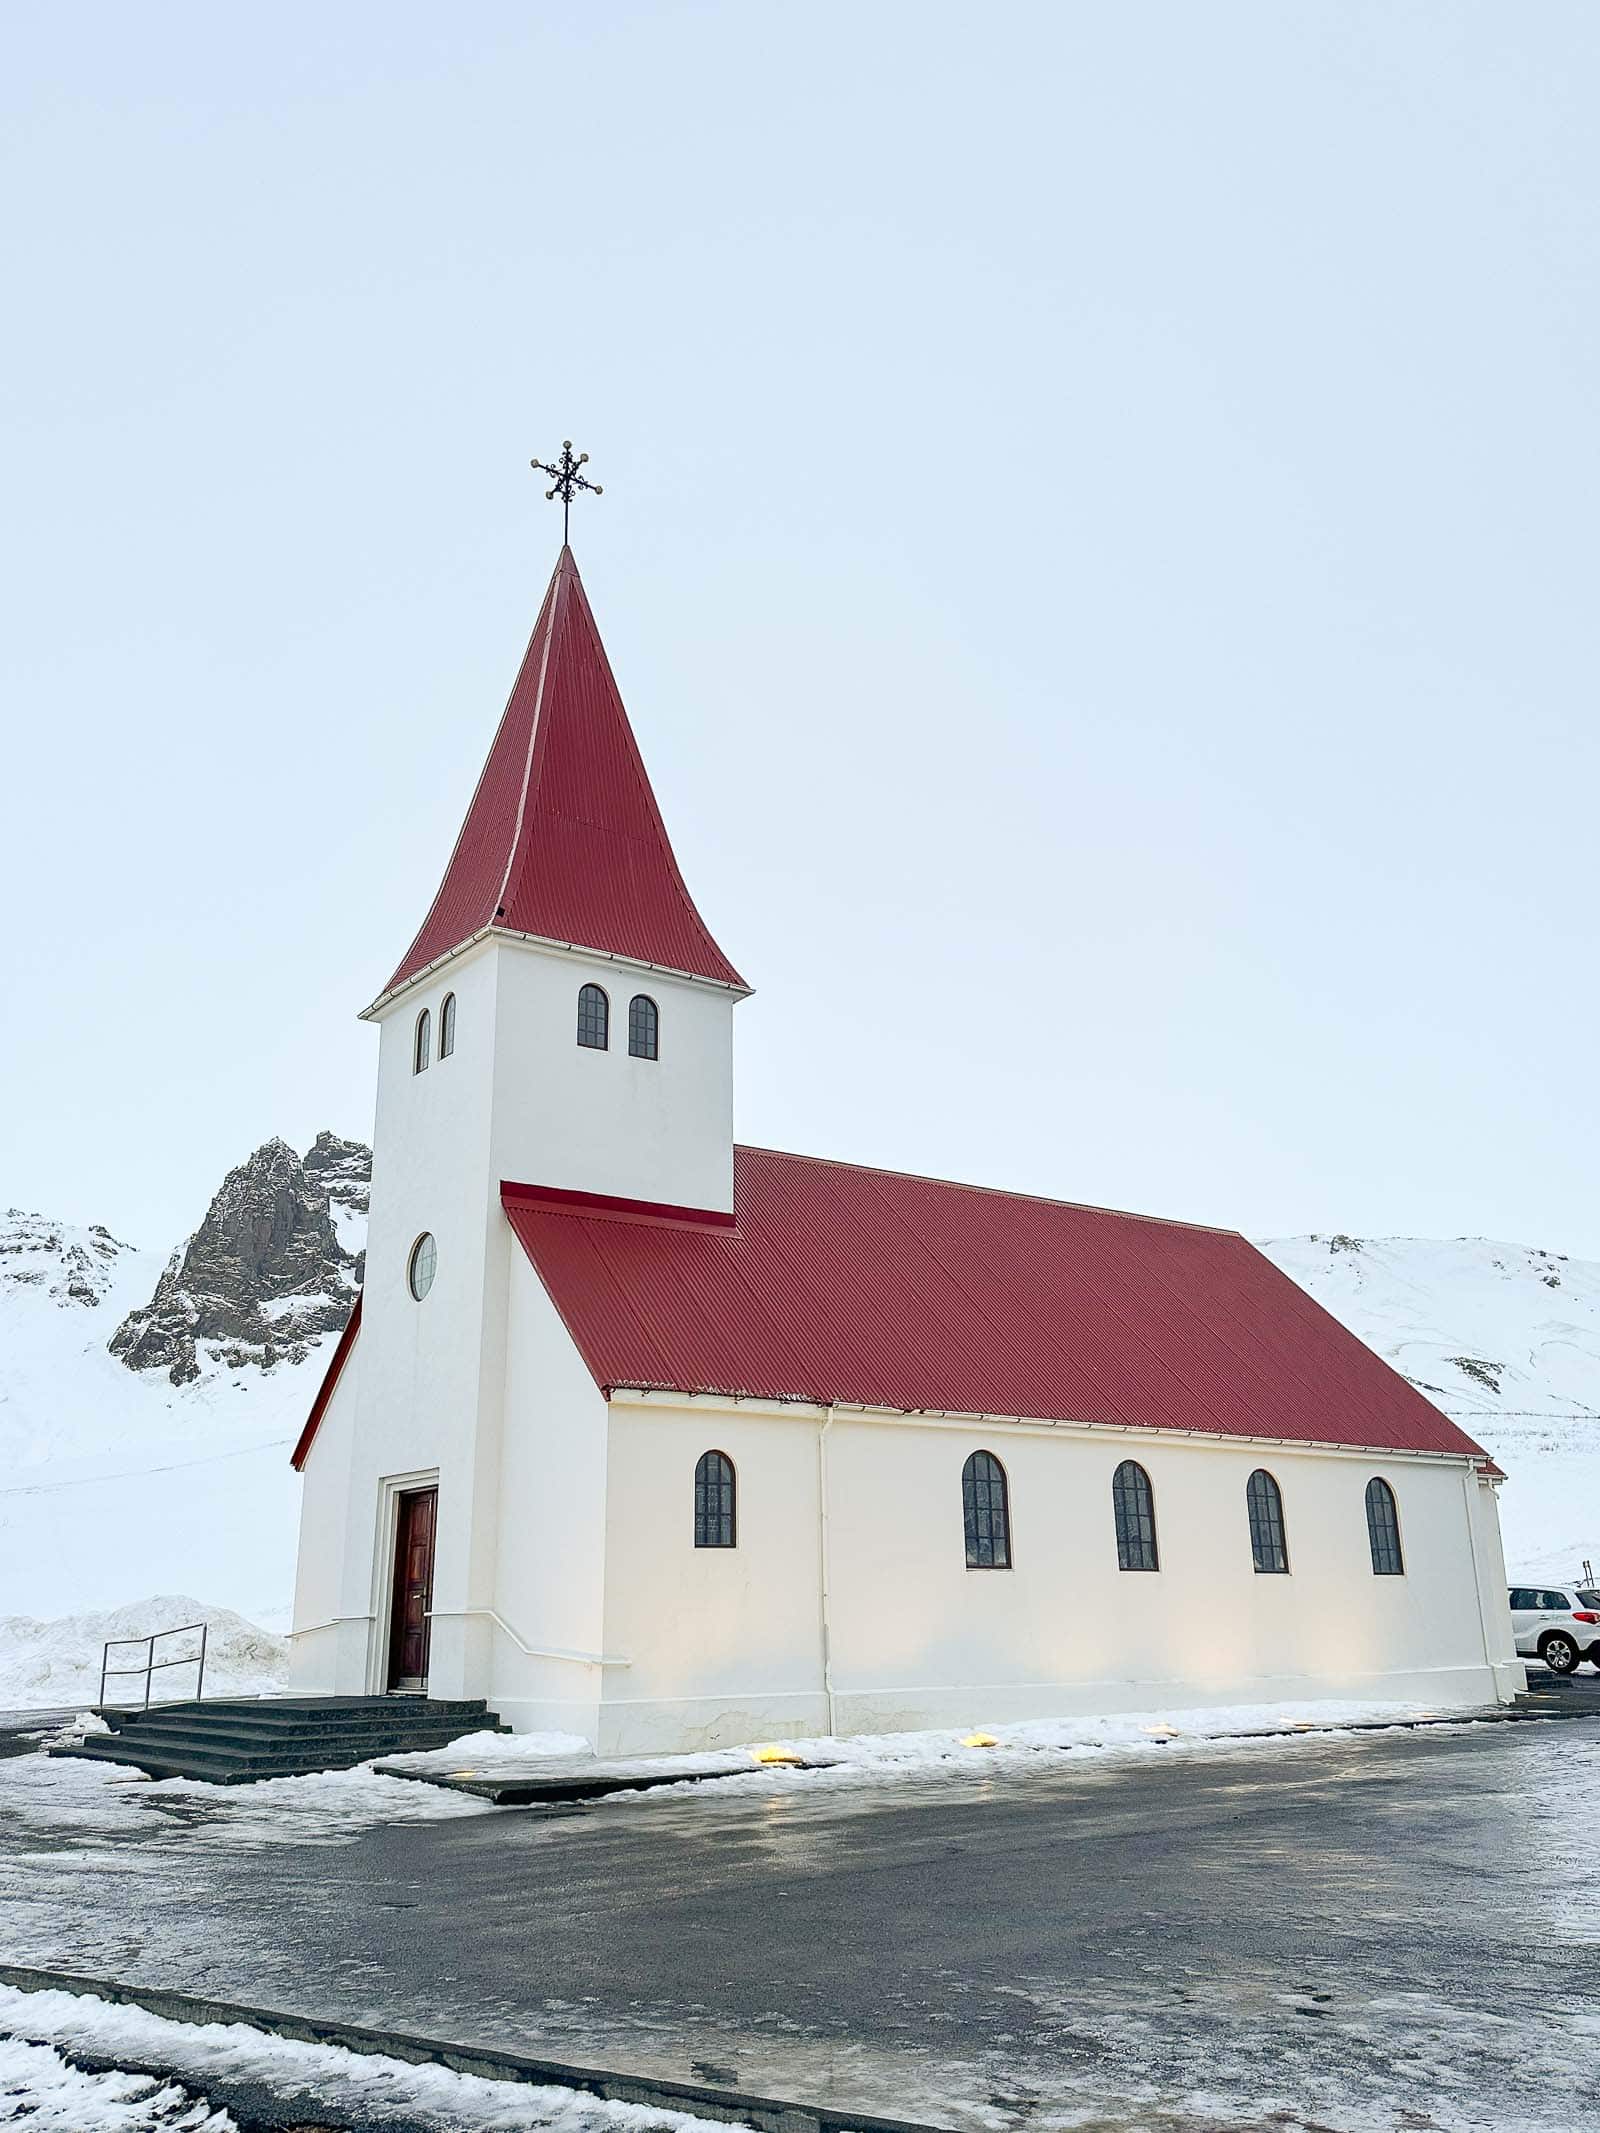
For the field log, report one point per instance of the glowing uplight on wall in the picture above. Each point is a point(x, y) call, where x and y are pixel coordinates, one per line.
point(772, 1753)
point(979, 1740)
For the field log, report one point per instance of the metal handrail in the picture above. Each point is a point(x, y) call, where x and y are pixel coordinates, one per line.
point(153, 1665)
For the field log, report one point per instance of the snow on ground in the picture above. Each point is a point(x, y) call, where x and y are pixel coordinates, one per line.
point(94, 1809)
point(87, 1804)
point(42, 2090)
point(322, 2078)
point(1506, 1339)
point(46, 1663)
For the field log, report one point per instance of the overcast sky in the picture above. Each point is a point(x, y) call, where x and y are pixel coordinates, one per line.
point(1098, 548)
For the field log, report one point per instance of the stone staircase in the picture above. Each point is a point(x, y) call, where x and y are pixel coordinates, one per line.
point(236, 1741)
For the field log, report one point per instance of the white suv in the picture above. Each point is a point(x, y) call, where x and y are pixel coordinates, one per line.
point(1550, 1623)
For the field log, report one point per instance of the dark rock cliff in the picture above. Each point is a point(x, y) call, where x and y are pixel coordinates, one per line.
point(274, 1265)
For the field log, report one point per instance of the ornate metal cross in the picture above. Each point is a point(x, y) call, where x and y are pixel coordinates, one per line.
point(567, 479)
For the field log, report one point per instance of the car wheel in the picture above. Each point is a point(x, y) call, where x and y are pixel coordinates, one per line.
point(1559, 1654)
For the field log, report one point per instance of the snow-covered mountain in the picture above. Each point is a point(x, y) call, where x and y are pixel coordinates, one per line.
point(120, 1480)
point(1506, 1339)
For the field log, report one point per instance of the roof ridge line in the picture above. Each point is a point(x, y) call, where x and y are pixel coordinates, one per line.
point(995, 1192)
point(553, 600)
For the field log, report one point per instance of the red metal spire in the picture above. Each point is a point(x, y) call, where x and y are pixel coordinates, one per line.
point(563, 838)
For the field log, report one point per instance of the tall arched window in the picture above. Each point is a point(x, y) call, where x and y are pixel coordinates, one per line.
point(447, 1026)
point(1383, 1530)
point(422, 1044)
point(1264, 1500)
point(715, 1525)
point(1134, 1506)
point(643, 1027)
point(594, 1018)
point(986, 1513)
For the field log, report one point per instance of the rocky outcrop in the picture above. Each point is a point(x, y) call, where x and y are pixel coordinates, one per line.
point(274, 1266)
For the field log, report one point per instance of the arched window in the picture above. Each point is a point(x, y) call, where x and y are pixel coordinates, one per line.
point(1134, 1506)
point(714, 1523)
point(986, 1513)
point(447, 1026)
point(1264, 1501)
point(594, 1018)
point(643, 1025)
point(1383, 1530)
point(422, 1045)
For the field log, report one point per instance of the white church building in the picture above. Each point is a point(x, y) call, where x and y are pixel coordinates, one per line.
point(675, 1443)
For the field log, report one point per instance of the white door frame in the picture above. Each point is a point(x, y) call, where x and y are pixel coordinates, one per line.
point(391, 1487)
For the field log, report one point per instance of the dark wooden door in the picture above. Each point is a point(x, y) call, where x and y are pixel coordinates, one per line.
point(413, 1589)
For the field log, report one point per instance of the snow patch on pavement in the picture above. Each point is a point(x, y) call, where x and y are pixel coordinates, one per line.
point(42, 2090)
point(370, 2087)
point(962, 1752)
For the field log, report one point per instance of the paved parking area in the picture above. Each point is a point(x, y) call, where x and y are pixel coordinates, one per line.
point(1380, 1930)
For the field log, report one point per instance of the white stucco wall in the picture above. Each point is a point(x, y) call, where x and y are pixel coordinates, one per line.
point(726, 1645)
point(314, 1668)
point(419, 1367)
point(723, 1644)
point(591, 1121)
point(550, 1585)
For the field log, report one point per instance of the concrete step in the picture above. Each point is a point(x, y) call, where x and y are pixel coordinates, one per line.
point(242, 1725)
point(299, 1714)
point(238, 1740)
point(246, 1733)
point(276, 1758)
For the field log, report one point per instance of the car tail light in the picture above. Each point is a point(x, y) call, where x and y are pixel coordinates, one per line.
point(1581, 1615)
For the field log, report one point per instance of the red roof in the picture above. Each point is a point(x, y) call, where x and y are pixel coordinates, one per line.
point(834, 1283)
point(563, 838)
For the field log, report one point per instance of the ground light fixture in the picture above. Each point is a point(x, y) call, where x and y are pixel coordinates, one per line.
point(772, 1753)
point(979, 1740)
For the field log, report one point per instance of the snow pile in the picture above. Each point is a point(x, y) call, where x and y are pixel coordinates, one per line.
point(45, 1663)
point(44, 2091)
point(319, 2079)
point(1506, 1340)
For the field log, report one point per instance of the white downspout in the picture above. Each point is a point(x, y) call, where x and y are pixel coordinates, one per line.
point(822, 1568)
point(1469, 1484)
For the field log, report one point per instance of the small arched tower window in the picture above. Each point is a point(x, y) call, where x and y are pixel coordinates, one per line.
point(1383, 1530)
point(986, 1513)
point(643, 1027)
point(1133, 1504)
point(714, 1521)
point(1264, 1501)
point(447, 1026)
point(422, 1043)
point(594, 1019)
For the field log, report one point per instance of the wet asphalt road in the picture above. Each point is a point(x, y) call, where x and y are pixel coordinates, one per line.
point(1384, 1930)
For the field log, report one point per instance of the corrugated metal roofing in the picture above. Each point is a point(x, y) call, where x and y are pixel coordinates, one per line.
point(563, 837)
point(836, 1283)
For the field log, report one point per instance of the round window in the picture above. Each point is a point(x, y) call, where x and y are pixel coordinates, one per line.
point(424, 1258)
